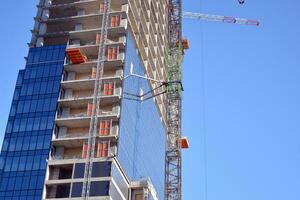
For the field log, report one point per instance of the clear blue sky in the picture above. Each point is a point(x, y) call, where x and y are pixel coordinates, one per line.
point(242, 87)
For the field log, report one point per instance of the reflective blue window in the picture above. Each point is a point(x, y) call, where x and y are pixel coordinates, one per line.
point(30, 124)
point(12, 144)
point(13, 110)
point(36, 124)
point(19, 144)
point(142, 136)
point(20, 77)
point(26, 107)
point(23, 125)
point(20, 107)
point(29, 163)
point(26, 142)
point(16, 94)
point(22, 163)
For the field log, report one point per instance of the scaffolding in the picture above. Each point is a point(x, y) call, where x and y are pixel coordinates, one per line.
point(96, 101)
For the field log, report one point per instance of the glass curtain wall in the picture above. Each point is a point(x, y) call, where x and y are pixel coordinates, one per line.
point(30, 124)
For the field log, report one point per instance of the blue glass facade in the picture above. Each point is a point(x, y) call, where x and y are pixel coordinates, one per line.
point(30, 124)
point(141, 148)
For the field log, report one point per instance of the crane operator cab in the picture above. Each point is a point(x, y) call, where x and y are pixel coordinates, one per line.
point(241, 1)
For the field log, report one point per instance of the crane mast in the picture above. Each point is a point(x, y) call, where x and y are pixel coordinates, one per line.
point(174, 88)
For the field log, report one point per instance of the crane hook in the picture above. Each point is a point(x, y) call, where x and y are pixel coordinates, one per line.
point(241, 1)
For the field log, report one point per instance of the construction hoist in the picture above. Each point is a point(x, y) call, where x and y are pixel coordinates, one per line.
point(96, 103)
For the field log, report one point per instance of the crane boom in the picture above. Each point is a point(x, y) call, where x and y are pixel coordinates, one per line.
point(219, 18)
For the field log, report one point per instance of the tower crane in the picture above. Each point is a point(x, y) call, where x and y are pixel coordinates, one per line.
point(177, 45)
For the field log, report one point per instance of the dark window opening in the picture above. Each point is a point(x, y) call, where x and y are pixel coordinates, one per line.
point(63, 191)
point(99, 188)
point(58, 191)
point(61, 172)
point(79, 170)
point(65, 173)
point(77, 190)
point(101, 169)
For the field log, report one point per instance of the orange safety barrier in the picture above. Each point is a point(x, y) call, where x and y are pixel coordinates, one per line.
point(109, 53)
point(84, 150)
point(99, 38)
point(115, 53)
point(104, 128)
point(112, 53)
point(184, 143)
point(75, 56)
point(94, 72)
point(102, 150)
point(101, 8)
point(90, 108)
point(115, 20)
point(105, 89)
point(185, 43)
point(108, 88)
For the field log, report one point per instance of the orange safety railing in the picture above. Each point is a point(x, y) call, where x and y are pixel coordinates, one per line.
point(90, 108)
point(99, 38)
point(75, 56)
point(102, 149)
point(104, 128)
point(185, 43)
point(112, 53)
point(108, 88)
point(84, 150)
point(115, 20)
point(94, 72)
point(101, 8)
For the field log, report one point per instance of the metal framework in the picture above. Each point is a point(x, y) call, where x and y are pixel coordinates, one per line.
point(219, 18)
point(174, 88)
point(96, 103)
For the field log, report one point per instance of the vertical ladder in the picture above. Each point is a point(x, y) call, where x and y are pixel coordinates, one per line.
point(96, 103)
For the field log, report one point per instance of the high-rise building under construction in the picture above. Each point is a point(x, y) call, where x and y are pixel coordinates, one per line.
point(84, 122)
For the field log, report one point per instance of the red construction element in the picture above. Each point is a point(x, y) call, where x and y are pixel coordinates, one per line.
point(104, 128)
point(102, 7)
point(94, 72)
point(90, 108)
point(115, 21)
point(184, 143)
point(102, 150)
point(75, 56)
point(84, 150)
point(108, 88)
point(99, 38)
point(185, 43)
point(112, 53)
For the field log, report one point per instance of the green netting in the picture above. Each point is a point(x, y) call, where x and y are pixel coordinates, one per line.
point(175, 71)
